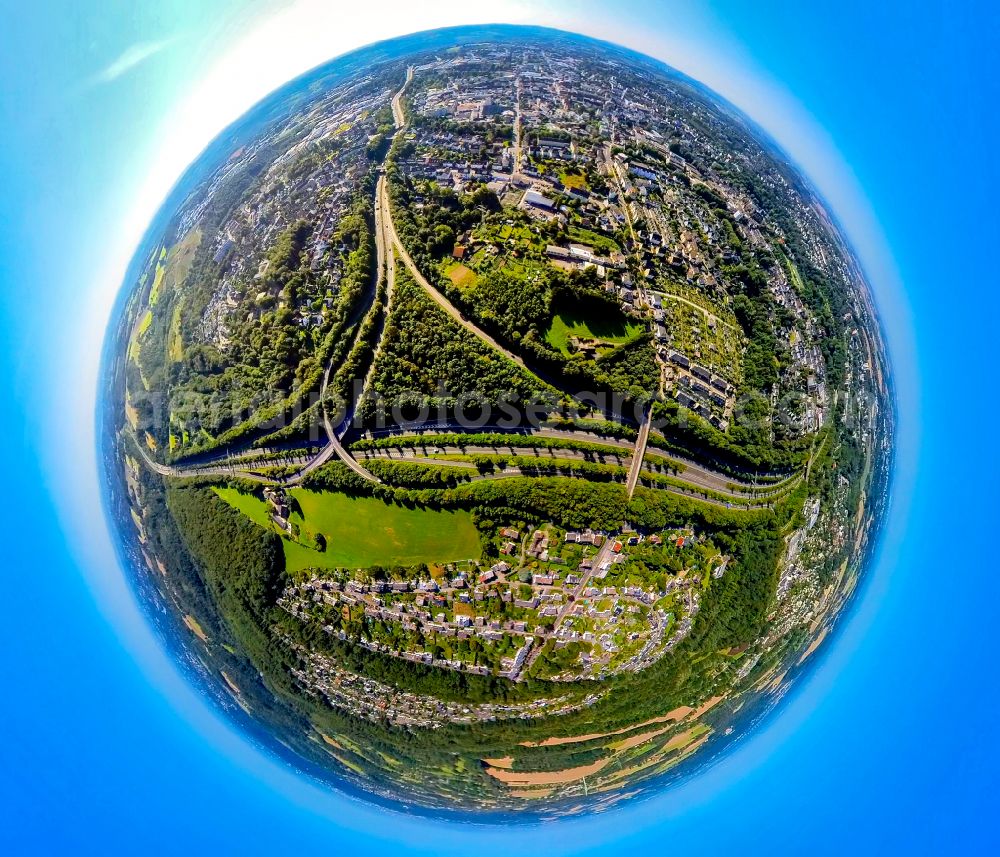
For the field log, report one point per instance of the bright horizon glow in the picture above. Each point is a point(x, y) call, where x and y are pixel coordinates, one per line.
point(290, 41)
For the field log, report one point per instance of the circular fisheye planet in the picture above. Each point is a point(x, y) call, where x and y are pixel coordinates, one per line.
point(495, 421)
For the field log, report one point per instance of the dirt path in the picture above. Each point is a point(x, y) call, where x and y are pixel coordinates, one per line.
point(546, 778)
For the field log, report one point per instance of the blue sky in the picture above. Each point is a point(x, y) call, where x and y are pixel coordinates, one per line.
point(891, 744)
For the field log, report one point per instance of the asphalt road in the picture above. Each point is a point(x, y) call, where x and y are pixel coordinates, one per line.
point(690, 470)
point(603, 556)
point(384, 262)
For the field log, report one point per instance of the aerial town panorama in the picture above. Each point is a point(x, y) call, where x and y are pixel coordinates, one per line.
point(496, 421)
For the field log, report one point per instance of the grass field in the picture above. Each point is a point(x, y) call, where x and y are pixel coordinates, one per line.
point(147, 320)
point(154, 292)
point(794, 276)
point(253, 507)
point(573, 179)
point(364, 531)
point(462, 276)
point(172, 267)
point(566, 325)
point(175, 342)
point(141, 328)
point(181, 257)
point(601, 243)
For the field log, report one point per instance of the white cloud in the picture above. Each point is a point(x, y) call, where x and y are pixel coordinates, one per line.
point(131, 57)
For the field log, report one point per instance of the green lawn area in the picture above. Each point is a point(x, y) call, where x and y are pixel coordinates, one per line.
point(364, 531)
point(565, 325)
point(181, 257)
point(253, 507)
point(794, 275)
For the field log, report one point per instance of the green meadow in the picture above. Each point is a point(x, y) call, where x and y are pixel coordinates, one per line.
point(364, 531)
point(566, 325)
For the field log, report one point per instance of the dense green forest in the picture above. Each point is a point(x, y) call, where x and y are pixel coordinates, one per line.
point(427, 358)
